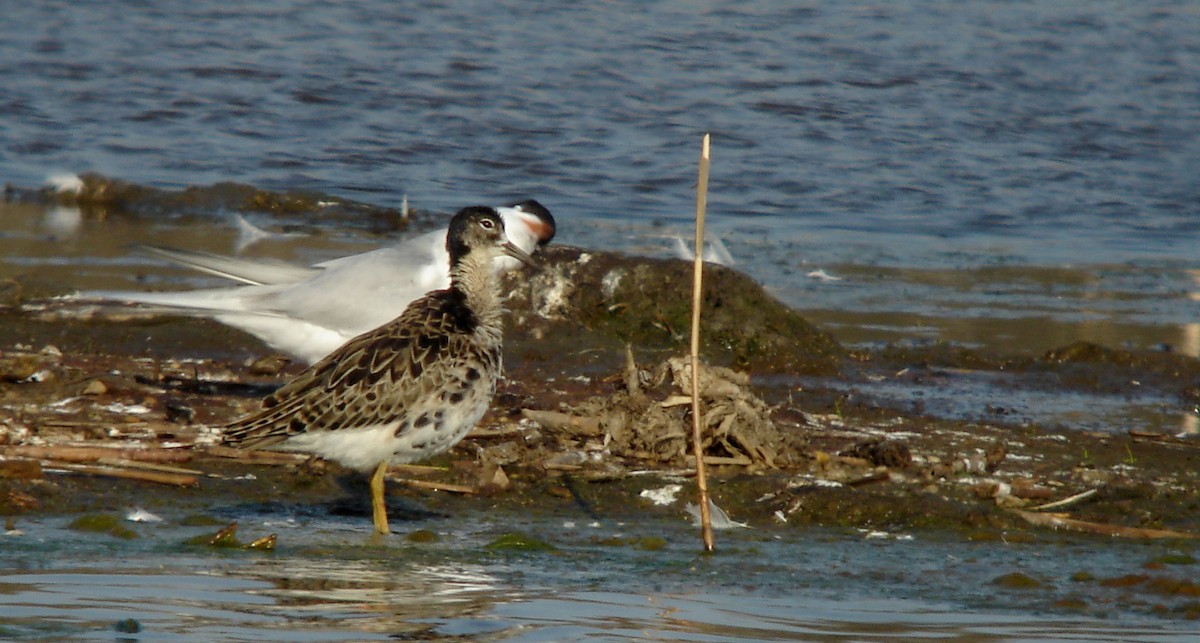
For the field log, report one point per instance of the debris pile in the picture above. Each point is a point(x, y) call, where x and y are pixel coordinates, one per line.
point(650, 418)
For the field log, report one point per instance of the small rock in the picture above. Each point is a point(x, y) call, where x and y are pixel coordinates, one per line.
point(95, 387)
point(887, 453)
point(492, 479)
point(128, 626)
point(994, 457)
point(989, 489)
point(1030, 490)
point(503, 453)
point(1093, 476)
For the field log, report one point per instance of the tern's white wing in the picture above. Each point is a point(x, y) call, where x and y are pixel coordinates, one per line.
point(308, 312)
point(256, 272)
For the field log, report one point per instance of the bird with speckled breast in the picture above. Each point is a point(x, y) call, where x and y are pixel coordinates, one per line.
point(409, 389)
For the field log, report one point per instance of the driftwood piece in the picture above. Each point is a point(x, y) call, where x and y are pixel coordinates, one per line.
point(414, 469)
point(556, 421)
point(266, 543)
point(94, 454)
point(1060, 521)
point(177, 479)
point(1163, 438)
point(148, 466)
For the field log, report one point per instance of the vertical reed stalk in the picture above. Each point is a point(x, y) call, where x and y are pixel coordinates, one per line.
point(697, 283)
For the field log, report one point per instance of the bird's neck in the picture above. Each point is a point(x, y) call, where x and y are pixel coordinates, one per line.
point(475, 277)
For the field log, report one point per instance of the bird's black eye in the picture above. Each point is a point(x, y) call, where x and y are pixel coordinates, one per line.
point(487, 224)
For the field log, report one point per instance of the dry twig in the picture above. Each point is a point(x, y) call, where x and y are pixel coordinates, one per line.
point(1069, 500)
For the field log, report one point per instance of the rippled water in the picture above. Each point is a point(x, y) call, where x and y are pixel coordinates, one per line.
point(907, 148)
point(328, 582)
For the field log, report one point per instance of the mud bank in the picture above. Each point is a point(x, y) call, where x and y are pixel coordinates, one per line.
point(795, 442)
point(99, 197)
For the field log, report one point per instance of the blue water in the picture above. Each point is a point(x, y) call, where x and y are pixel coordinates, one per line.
point(846, 137)
point(1058, 131)
point(328, 581)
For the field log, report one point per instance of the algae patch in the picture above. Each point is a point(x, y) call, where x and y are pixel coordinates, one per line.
point(647, 302)
point(422, 536)
point(1017, 580)
point(103, 524)
point(519, 542)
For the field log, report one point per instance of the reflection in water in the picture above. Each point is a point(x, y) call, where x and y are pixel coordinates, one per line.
point(337, 600)
point(699, 617)
point(376, 597)
point(328, 583)
point(63, 221)
point(291, 599)
point(1190, 345)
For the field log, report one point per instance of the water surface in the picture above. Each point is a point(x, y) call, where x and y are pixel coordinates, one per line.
point(331, 581)
point(953, 163)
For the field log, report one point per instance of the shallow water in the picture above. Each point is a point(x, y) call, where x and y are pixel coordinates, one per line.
point(329, 581)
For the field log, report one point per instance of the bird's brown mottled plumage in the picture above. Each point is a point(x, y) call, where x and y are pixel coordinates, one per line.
point(409, 389)
point(384, 375)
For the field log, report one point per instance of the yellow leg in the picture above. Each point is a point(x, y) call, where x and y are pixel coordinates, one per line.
point(377, 505)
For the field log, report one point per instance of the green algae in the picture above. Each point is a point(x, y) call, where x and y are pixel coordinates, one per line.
point(519, 542)
point(423, 536)
point(1017, 580)
point(103, 524)
point(1173, 559)
point(647, 303)
point(645, 543)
